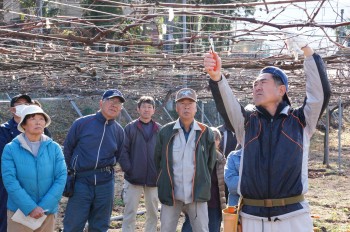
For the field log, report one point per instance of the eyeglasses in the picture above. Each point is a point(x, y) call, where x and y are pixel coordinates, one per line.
point(114, 102)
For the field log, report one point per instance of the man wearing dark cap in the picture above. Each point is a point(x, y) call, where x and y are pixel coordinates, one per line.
point(91, 149)
point(275, 140)
point(9, 131)
point(185, 157)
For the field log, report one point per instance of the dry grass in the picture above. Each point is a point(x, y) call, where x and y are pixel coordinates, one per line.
point(329, 186)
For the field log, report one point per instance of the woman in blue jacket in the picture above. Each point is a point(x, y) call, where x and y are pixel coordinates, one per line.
point(34, 172)
point(231, 175)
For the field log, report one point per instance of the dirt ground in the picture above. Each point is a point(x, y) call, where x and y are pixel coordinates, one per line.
point(328, 189)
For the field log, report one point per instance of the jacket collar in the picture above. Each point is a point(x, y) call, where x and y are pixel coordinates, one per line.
point(10, 124)
point(195, 125)
point(22, 141)
point(155, 127)
point(282, 109)
point(101, 118)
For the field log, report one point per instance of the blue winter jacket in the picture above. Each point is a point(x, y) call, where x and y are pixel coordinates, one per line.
point(9, 131)
point(231, 175)
point(137, 158)
point(33, 181)
point(93, 143)
point(275, 148)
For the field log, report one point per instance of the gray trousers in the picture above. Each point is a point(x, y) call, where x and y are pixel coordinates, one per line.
point(131, 196)
point(197, 212)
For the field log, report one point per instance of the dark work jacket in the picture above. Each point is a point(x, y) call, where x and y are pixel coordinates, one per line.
point(275, 148)
point(93, 143)
point(137, 157)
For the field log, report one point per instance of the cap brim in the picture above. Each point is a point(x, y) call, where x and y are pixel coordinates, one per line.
point(186, 98)
point(118, 96)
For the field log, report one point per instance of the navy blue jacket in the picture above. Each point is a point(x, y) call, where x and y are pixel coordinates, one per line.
point(8, 131)
point(137, 158)
point(93, 143)
point(275, 148)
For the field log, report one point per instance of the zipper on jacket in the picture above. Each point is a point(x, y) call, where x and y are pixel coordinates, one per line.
point(37, 178)
point(99, 147)
point(269, 167)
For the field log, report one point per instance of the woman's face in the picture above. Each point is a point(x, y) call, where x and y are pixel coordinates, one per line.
point(34, 124)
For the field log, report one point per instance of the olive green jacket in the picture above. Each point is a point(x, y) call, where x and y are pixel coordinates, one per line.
point(205, 158)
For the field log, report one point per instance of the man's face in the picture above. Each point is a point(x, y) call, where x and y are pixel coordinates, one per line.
point(145, 111)
point(20, 101)
point(186, 109)
point(111, 107)
point(266, 92)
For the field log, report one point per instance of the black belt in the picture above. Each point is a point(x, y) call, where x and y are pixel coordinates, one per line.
point(94, 171)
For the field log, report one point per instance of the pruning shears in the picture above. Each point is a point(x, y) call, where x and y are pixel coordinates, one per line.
point(212, 50)
point(211, 42)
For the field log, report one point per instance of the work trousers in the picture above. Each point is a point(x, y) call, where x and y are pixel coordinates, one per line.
point(197, 212)
point(215, 218)
point(301, 223)
point(131, 197)
point(92, 204)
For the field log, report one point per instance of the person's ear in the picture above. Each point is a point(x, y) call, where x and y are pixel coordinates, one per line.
point(282, 90)
point(12, 110)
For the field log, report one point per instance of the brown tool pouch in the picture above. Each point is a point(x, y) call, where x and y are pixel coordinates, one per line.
point(231, 218)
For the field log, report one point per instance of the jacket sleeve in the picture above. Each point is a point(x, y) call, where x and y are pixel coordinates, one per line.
point(212, 151)
point(124, 159)
point(318, 91)
point(121, 141)
point(231, 173)
point(3, 141)
point(12, 185)
point(70, 143)
point(229, 108)
point(158, 151)
point(54, 194)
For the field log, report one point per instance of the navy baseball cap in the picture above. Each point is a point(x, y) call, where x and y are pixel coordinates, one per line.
point(15, 98)
point(279, 73)
point(113, 93)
